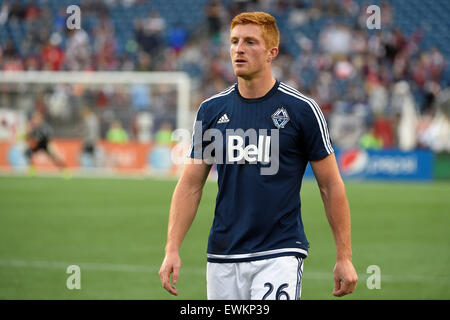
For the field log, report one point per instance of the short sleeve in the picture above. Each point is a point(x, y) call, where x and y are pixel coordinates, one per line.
point(198, 144)
point(316, 137)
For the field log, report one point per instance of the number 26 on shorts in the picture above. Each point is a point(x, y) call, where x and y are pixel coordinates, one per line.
point(279, 293)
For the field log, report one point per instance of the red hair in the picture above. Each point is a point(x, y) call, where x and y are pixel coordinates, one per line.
point(267, 22)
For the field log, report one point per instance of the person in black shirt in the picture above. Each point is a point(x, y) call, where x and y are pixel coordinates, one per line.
point(39, 134)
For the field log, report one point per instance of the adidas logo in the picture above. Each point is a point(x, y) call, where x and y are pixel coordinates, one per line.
point(223, 119)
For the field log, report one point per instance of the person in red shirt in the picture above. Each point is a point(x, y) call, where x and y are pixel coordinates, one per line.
point(52, 56)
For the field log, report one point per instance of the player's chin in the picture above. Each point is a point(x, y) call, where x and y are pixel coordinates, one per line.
point(241, 73)
point(240, 69)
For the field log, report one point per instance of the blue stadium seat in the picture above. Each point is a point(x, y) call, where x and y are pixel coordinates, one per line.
point(409, 16)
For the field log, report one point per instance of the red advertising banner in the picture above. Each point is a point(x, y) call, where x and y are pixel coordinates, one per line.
point(127, 157)
point(122, 157)
point(4, 148)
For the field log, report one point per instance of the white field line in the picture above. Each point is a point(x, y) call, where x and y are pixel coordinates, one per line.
point(98, 173)
point(85, 174)
point(196, 270)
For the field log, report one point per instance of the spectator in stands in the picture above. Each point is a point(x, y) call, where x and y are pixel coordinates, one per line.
point(213, 12)
point(437, 64)
point(144, 61)
point(349, 66)
point(143, 126)
point(177, 38)
point(336, 40)
point(370, 141)
point(59, 21)
point(16, 11)
point(164, 134)
point(52, 56)
point(149, 33)
point(4, 12)
point(11, 58)
point(385, 129)
point(140, 97)
point(78, 51)
point(32, 11)
point(435, 132)
point(9, 50)
point(105, 46)
point(90, 136)
point(116, 133)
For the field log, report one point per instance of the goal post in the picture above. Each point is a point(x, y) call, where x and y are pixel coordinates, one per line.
point(180, 79)
point(145, 104)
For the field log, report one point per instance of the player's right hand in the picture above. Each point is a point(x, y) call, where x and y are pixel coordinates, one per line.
point(345, 278)
point(170, 266)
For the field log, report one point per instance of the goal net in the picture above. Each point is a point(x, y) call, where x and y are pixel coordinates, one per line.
point(85, 110)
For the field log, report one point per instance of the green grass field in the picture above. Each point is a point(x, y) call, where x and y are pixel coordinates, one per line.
point(115, 230)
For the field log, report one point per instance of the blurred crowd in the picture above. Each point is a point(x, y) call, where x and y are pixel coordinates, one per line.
point(377, 88)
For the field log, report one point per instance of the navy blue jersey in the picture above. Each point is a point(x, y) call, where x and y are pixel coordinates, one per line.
point(261, 148)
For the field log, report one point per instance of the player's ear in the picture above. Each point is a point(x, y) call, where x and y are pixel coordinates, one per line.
point(273, 52)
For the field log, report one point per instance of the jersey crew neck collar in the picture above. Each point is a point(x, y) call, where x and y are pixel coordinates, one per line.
point(255, 100)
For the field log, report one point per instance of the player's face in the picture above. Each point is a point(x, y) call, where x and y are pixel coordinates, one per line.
point(248, 51)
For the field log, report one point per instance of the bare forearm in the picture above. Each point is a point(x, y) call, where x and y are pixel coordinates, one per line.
point(183, 208)
point(332, 190)
point(338, 215)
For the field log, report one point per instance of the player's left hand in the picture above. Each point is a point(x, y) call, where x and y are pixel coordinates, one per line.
point(345, 278)
point(170, 266)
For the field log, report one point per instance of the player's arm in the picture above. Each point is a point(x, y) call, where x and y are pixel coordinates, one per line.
point(184, 205)
point(332, 190)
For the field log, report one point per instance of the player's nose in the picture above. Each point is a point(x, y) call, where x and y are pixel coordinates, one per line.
point(240, 47)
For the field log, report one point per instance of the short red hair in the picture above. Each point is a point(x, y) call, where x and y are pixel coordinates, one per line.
point(267, 22)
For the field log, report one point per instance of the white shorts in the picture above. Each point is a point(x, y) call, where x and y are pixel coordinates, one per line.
point(270, 279)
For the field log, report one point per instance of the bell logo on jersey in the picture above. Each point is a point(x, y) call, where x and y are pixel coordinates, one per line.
point(237, 147)
point(260, 148)
point(251, 153)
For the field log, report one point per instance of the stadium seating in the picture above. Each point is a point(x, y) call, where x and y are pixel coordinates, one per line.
point(409, 17)
point(414, 18)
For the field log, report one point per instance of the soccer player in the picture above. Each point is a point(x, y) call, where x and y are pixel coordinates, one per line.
point(257, 244)
point(38, 138)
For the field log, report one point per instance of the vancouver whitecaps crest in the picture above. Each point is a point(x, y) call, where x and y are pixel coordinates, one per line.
point(280, 118)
